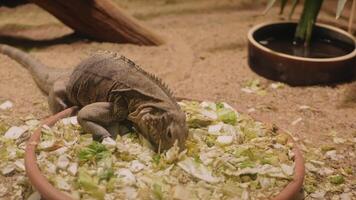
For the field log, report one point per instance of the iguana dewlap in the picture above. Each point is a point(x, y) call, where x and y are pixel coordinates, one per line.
point(111, 90)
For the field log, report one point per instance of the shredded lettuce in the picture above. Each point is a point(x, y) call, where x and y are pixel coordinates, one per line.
point(227, 156)
point(90, 184)
point(226, 115)
point(93, 153)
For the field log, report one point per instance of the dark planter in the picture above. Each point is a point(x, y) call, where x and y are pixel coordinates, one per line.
point(277, 64)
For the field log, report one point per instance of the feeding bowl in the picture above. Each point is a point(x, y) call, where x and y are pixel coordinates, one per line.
point(48, 191)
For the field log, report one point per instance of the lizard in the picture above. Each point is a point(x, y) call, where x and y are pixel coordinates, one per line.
point(110, 89)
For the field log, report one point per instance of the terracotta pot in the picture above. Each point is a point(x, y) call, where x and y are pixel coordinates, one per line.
point(295, 186)
point(296, 70)
point(47, 191)
point(34, 174)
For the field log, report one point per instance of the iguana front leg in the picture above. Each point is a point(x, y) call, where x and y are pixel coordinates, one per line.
point(98, 119)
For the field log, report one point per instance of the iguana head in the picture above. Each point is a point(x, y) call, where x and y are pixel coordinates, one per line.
point(162, 128)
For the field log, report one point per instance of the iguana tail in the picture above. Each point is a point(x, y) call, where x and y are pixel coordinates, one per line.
point(43, 75)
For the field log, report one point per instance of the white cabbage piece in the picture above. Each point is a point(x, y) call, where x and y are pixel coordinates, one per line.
point(310, 167)
point(6, 105)
point(130, 193)
point(50, 167)
point(317, 162)
point(46, 144)
point(60, 151)
point(266, 182)
point(332, 155)
point(296, 121)
point(70, 120)
point(266, 169)
point(208, 105)
point(62, 184)
point(62, 162)
point(207, 156)
point(7, 169)
point(146, 156)
point(226, 105)
point(225, 139)
point(109, 143)
point(34, 196)
point(346, 196)
point(197, 170)
point(73, 168)
point(245, 195)
point(215, 129)
point(320, 194)
point(326, 171)
point(15, 132)
point(338, 140)
point(277, 85)
point(126, 176)
point(3, 190)
point(145, 142)
point(182, 193)
point(11, 150)
point(173, 153)
point(229, 130)
point(32, 123)
point(287, 169)
point(20, 164)
point(210, 114)
point(136, 166)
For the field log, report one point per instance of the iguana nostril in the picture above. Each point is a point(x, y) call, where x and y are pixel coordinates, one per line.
point(169, 134)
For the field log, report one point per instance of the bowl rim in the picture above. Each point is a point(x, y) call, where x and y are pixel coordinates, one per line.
point(252, 40)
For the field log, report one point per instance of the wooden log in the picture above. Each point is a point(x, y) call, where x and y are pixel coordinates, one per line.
point(101, 20)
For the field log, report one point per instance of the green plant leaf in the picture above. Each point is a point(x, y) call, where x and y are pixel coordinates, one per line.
point(294, 5)
point(269, 6)
point(340, 8)
point(283, 4)
point(306, 22)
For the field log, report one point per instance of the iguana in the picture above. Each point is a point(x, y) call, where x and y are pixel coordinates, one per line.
point(110, 89)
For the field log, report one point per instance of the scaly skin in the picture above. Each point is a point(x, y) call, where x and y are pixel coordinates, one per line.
point(111, 91)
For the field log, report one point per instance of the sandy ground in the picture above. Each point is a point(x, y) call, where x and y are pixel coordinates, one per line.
point(205, 58)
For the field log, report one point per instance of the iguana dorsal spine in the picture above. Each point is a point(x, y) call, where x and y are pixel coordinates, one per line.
point(154, 78)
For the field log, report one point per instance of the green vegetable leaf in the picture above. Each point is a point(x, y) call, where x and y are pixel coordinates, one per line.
point(269, 6)
point(197, 121)
point(156, 159)
point(90, 184)
point(94, 152)
point(283, 4)
point(107, 174)
point(157, 191)
point(246, 163)
point(87, 182)
point(294, 5)
point(337, 179)
point(226, 115)
point(340, 8)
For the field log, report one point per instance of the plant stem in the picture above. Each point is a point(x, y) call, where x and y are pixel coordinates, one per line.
point(352, 16)
point(307, 20)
